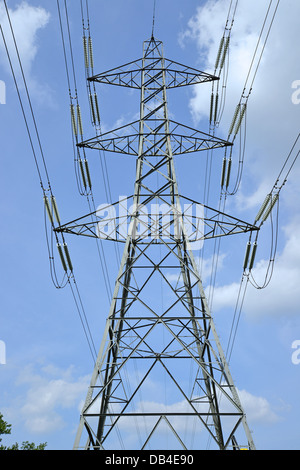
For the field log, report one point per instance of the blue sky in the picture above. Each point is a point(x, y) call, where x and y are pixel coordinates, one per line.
point(48, 361)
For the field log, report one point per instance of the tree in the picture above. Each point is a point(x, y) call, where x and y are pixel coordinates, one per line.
point(5, 428)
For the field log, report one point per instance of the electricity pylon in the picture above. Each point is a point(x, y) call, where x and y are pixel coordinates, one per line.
point(161, 377)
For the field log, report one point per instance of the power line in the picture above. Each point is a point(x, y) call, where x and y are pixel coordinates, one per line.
point(45, 190)
point(80, 171)
point(241, 107)
point(288, 158)
point(215, 116)
point(239, 117)
point(267, 209)
point(153, 20)
point(83, 178)
point(28, 97)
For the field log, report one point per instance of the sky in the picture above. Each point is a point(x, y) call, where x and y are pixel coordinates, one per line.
point(47, 365)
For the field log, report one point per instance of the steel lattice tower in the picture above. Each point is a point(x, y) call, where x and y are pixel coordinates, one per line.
point(149, 340)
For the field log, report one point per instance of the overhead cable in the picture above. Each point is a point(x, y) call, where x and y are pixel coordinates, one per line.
point(46, 189)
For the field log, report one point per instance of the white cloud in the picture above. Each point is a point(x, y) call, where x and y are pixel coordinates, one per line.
point(271, 118)
point(257, 409)
point(204, 266)
point(51, 390)
point(255, 199)
point(26, 21)
point(207, 28)
point(272, 126)
point(281, 297)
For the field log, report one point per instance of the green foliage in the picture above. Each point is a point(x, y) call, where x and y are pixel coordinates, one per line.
point(4, 427)
point(26, 445)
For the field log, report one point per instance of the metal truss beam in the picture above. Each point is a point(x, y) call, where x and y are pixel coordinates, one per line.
point(125, 139)
point(161, 228)
point(129, 75)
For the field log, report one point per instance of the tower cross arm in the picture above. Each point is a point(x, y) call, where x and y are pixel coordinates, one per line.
point(176, 74)
point(201, 222)
point(183, 139)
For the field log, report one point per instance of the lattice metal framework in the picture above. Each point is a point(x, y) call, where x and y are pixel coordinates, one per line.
point(150, 339)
